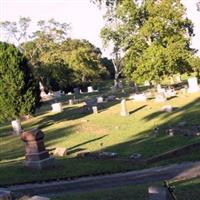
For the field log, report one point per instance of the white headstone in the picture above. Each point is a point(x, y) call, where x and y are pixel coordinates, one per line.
point(94, 109)
point(90, 89)
point(160, 89)
point(167, 108)
point(123, 110)
point(139, 97)
point(16, 124)
point(193, 85)
point(99, 99)
point(178, 79)
point(160, 97)
point(71, 102)
point(56, 107)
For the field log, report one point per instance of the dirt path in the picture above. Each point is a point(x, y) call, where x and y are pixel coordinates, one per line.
point(171, 172)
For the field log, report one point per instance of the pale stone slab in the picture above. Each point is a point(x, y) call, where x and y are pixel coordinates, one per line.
point(193, 85)
point(56, 107)
point(60, 151)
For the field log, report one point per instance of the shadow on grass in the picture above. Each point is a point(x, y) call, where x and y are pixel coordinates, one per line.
point(86, 142)
point(137, 109)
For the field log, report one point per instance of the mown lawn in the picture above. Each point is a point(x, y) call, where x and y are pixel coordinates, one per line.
point(105, 131)
point(184, 190)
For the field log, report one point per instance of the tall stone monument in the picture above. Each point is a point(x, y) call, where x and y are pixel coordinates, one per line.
point(123, 110)
point(37, 157)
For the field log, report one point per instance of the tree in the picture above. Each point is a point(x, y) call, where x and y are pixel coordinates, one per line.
point(112, 36)
point(83, 58)
point(19, 92)
point(154, 36)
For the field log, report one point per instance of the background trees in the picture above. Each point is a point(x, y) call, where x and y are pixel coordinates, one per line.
point(153, 35)
point(19, 92)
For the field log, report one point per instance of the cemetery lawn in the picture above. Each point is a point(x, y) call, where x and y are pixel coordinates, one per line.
point(105, 131)
point(184, 190)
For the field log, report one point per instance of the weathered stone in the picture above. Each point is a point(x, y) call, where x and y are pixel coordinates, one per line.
point(57, 107)
point(36, 155)
point(60, 151)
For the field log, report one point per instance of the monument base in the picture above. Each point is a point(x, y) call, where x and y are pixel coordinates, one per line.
point(40, 164)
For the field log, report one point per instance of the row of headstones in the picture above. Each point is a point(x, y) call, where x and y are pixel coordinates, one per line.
point(90, 103)
point(162, 93)
point(172, 81)
point(59, 93)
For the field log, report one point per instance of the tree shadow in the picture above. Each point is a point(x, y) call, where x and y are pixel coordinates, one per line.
point(86, 142)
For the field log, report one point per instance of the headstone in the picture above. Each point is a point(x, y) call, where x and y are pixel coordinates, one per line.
point(123, 109)
point(37, 157)
point(60, 151)
point(16, 124)
point(193, 85)
point(99, 99)
point(160, 89)
point(178, 79)
point(90, 89)
point(160, 97)
point(71, 102)
point(170, 92)
point(5, 194)
point(147, 83)
point(56, 107)
point(158, 193)
point(139, 97)
point(94, 109)
point(167, 108)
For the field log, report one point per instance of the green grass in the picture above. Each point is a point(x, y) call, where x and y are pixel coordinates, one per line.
point(106, 131)
point(184, 190)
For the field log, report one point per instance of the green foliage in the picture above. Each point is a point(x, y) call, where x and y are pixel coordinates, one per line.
point(83, 59)
point(154, 35)
point(18, 89)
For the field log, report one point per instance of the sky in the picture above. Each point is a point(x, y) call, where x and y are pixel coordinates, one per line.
point(86, 19)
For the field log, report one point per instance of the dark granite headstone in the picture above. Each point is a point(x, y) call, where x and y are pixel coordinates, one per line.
point(36, 155)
